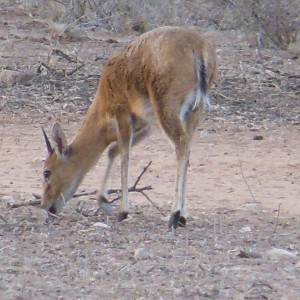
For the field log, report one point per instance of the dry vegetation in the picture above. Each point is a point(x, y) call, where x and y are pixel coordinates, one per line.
point(52, 53)
point(276, 22)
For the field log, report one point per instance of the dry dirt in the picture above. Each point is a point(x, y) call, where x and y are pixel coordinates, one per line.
point(243, 193)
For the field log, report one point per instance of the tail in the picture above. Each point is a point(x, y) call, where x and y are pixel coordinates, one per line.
point(202, 93)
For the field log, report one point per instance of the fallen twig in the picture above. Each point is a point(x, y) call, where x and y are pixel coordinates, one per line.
point(134, 187)
point(157, 207)
point(140, 176)
point(63, 72)
point(259, 285)
point(99, 57)
point(3, 219)
point(277, 218)
point(245, 180)
point(51, 70)
point(85, 194)
point(60, 53)
point(225, 97)
point(60, 2)
point(130, 190)
point(27, 203)
point(270, 239)
point(75, 70)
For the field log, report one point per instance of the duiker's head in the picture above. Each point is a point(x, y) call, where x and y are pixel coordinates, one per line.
point(60, 177)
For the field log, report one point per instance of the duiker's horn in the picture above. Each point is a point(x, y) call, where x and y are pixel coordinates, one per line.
point(49, 147)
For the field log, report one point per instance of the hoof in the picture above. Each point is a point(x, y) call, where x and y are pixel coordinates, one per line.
point(182, 221)
point(122, 216)
point(101, 199)
point(176, 220)
point(52, 210)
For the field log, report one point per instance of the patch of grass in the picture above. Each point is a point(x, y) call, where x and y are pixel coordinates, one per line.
point(278, 21)
point(275, 22)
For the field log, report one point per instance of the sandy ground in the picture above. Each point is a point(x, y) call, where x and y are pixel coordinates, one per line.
point(227, 166)
point(242, 193)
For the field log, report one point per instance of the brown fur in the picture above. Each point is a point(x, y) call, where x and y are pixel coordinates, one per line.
point(150, 78)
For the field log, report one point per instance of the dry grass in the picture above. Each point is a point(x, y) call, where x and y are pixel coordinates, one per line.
point(276, 23)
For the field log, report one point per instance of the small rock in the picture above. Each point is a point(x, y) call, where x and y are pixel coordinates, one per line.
point(101, 225)
point(9, 200)
point(205, 134)
point(38, 159)
point(139, 26)
point(277, 254)
point(252, 206)
point(69, 107)
point(166, 219)
point(248, 254)
point(9, 78)
point(245, 229)
point(211, 107)
point(258, 138)
point(141, 254)
point(297, 264)
point(239, 296)
point(111, 41)
point(24, 79)
point(38, 214)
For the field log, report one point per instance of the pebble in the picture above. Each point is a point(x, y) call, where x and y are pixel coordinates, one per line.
point(245, 229)
point(9, 78)
point(252, 206)
point(39, 159)
point(38, 214)
point(101, 225)
point(276, 254)
point(205, 134)
point(141, 254)
point(10, 200)
point(258, 137)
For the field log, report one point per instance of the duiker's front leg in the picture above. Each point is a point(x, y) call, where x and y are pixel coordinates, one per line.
point(124, 141)
point(104, 205)
point(138, 135)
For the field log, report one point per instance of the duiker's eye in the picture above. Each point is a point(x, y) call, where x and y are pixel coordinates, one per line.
point(47, 174)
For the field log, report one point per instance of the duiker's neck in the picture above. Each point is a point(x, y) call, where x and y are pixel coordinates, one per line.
point(96, 133)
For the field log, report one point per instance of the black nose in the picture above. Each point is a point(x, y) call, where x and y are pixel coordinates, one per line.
point(52, 209)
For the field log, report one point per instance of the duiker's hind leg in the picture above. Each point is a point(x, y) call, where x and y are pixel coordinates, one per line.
point(180, 129)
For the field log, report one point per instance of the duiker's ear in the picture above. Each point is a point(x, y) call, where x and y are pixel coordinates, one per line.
point(59, 140)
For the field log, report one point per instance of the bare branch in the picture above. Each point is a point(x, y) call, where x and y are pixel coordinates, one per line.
point(245, 180)
point(60, 53)
point(27, 203)
point(157, 207)
point(277, 219)
point(75, 70)
point(92, 193)
point(51, 70)
point(270, 239)
point(140, 176)
point(60, 2)
point(3, 219)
